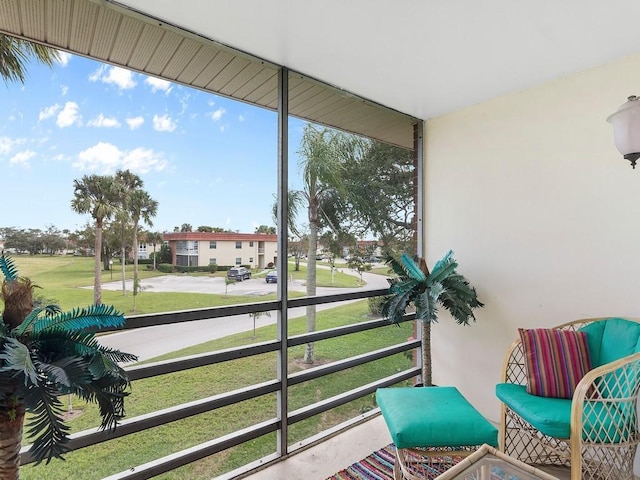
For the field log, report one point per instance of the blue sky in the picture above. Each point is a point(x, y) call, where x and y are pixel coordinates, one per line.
point(207, 160)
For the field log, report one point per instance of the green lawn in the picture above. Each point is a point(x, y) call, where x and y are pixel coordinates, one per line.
point(61, 279)
point(162, 392)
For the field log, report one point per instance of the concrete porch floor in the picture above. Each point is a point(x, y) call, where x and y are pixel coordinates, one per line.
point(325, 459)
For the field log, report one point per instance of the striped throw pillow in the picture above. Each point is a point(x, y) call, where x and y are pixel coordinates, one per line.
point(555, 360)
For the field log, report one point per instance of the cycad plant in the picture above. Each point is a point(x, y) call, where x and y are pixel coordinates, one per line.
point(415, 285)
point(46, 353)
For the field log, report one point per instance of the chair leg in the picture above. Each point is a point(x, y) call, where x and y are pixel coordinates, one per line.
point(397, 471)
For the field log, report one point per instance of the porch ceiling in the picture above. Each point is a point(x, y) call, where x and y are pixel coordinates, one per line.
point(420, 57)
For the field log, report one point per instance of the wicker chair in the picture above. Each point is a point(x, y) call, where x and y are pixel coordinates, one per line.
point(601, 419)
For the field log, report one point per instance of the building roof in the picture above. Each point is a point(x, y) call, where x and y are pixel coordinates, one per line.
point(225, 236)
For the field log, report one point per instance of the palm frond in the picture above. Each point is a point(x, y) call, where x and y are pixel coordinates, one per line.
point(396, 306)
point(443, 268)
point(9, 270)
point(46, 425)
point(60, 343)
point(427, 303)
point(15, 357)
point(412, 268)
point(28, 321)
point(117, 356)
point(109, 393)
point(94, 316)
point(66, 371)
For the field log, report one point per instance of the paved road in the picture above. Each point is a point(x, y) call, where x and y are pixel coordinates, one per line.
point(150, 342)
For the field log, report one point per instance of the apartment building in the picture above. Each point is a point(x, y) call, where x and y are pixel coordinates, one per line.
point(193, 249)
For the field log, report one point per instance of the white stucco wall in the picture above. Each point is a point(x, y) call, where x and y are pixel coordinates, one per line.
point(542, 213)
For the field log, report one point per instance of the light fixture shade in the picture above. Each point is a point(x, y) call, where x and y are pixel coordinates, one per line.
point(626, 127)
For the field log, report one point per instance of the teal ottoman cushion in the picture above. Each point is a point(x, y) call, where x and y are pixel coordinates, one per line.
point(433, 417)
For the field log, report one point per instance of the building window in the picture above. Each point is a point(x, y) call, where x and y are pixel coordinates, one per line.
point(212, 244)
point(238, 261)
point(251, 244)
point(212, 261)
point(238, 244)
point(250, 259)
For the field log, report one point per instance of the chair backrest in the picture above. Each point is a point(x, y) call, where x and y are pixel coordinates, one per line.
point(611, 339)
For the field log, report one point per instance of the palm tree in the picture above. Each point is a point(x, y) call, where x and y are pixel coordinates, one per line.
point(46, 353)
point(322, 176)
point(16, 53)
point(415, 285)
point(141, 206)
point(96, 195)
point(129, 182)
point(154, 238)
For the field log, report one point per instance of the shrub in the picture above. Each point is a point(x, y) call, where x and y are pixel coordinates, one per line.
point(270, 265)
point(213, 268)
point(375, 304)
point(165, 268)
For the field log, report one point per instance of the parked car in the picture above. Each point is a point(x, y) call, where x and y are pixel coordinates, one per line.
point(239, 274)
point(272, 276)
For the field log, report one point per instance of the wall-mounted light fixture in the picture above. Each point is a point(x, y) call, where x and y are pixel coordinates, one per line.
point(626, 129)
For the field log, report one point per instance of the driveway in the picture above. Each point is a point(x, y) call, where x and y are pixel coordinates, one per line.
point(150, 342)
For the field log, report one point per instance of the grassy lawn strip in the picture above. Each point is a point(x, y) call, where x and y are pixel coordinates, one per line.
point(63, 280)
point(169, 390)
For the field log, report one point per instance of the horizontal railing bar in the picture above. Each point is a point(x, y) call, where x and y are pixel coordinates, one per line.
point(198, 452)
point(340, 331)
point(336, 297)
point(162, 417)
point(138, 372)
point(333, 367)
point(166, 318)
point(346, 397)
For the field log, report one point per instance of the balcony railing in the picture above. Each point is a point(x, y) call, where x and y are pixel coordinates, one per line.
point(279, 386)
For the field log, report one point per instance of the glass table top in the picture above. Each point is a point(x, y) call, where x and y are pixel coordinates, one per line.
point(487, 463)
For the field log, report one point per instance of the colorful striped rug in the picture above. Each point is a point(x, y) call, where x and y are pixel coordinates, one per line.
point(377, 466)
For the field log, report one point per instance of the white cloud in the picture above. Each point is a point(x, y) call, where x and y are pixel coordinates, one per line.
point(134, 122)
point(117, 76)
point(106, 122)
point(241, 118)
point(7, 144)
point(106, 158)
point(22, 158)
point(69, 115)
point(163, 123)
point(158, 84)
point(64, 89)
point(184, 101)
point(216, 115)
point(143, 160)
point(49, 111)
point(64, 58)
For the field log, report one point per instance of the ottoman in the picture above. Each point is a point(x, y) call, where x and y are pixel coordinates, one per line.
point(432, 429)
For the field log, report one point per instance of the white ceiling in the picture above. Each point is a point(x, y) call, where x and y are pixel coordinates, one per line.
point(421, 57)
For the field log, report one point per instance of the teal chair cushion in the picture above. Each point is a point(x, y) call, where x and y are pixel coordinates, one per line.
point(433, 417)
point(552, 416)
point(611, 339)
